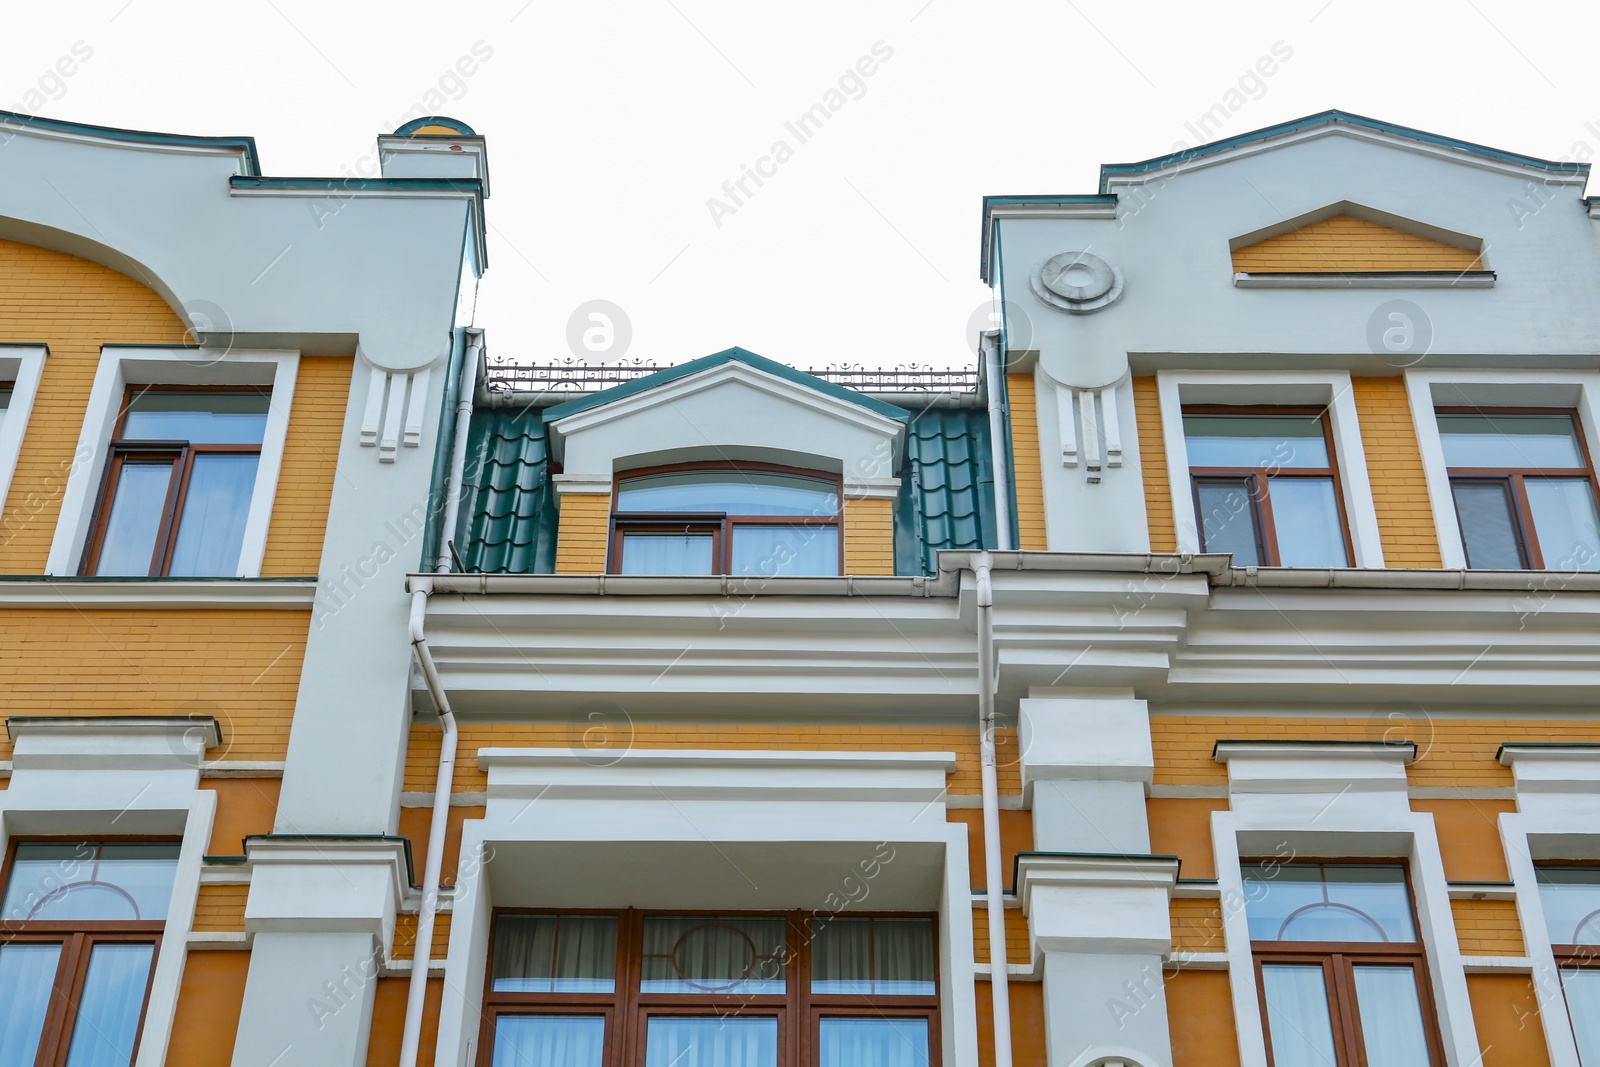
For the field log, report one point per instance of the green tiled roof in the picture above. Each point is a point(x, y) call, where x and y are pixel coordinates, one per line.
point(508, 511)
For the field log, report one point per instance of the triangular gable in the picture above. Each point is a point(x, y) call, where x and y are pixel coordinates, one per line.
point(1346, 243)
point(729, 355)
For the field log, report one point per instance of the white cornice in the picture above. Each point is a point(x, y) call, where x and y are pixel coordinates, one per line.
point(1472, 279)
point(1339, 751)
point(155, 594)
point(125, 144)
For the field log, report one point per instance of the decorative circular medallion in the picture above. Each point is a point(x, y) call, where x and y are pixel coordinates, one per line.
point(1077, 282)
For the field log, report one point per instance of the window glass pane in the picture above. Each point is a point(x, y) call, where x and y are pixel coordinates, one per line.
point(1228, 520)
point(197, 416)
point(1571, 899)
point(1297, 1015)
point(1526, 441)
point(773, 551)
point(1305, 515)
point(1565, 521)
point(215, 508)
point(109, 1008)
point(86, 881)
point(1255, 441)
point(879, 1042)
point(549, 1040)
point(5, 405)
point(1582, 987)
point(555, 953)
point(667, 553)
point(27, 973)
point(730, 493)
point(1488, 532)
point(1391, 1016)
point(888, 957)
point(706, 954)
point(729, 1041)
point(135, 519)
point(1327, 902)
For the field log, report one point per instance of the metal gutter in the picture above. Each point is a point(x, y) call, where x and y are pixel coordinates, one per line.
point(993, 884)
point(999, 435)
point(458, 450)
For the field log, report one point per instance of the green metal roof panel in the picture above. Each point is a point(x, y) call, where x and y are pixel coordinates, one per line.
point(716, 359)
point(947, 488)
point(508, 511)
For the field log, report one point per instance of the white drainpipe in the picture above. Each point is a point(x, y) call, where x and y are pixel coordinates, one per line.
point(458, 450)
point(994, 885)
point(995, 375)
point(411, 1037)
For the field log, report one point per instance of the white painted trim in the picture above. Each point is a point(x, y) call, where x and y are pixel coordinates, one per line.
point(1332, 388)
point(1399, 835)
point(1515, 829)
point(23, 366)
point(1468, 279)
point(1053, 211)
point(122, 366)
point(580, 485)
point(871, 488)
point(335, 191)
point(84, 137)
point(157, 594)
point(1420, 392)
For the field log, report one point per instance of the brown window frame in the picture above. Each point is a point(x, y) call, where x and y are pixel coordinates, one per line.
point(719, 524)
point(1572, 957)
point(77, 939)
point(1513, 480)
point(1254, 479)
point(1338, 958)
point(626, 1010)
point(181, 455)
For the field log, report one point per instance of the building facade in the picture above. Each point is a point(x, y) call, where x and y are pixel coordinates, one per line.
point(1207, 680)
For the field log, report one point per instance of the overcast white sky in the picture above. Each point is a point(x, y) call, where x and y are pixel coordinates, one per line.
point(610, 125)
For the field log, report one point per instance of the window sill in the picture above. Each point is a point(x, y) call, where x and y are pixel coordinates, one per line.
point(1387, 279)
point(49, 591)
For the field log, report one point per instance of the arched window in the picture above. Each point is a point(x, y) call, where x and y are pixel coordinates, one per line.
point(745, 519)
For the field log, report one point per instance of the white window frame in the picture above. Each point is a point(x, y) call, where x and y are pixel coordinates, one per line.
point(1330, 389)
point(125, 365)
point(1291, 815)
point(100, 778)
point(23, 365)
point(1578, 391)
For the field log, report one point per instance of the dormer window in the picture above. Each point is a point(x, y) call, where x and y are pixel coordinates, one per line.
point(752, 520)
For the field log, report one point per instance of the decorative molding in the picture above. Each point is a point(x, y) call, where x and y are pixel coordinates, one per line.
point(395, 410)
point(156, 594)
point(580, 484)
point(1389, 279)
point(1100, 286)
point(1090, 428)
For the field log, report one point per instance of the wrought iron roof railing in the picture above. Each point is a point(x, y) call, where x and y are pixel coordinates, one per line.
point(576, 377)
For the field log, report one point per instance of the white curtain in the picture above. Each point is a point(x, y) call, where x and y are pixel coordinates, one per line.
point(841, 955)
point(211, 532)
point(890, 957)
point(1564, 516)
point(1297, 1015)
point(1391, 1016)
point(874, 1043)
point(734, 1041)
point(1583, 1004)
point(704, 954)
point(549, 1041)
point(667, 553)
point(555, 954)
point(108, 1009)
point(26, 974)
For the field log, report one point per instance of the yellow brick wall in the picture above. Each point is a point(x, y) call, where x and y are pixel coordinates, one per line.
point(1346, 243)
point(1028, 469)
point(73, 306)
point(1450, 752)
point(1017, 950)
point(422, 755)
point(310, 458)
point(1196, 925)
point(585, 525)
point(1394, 466)
point(220, 908)
point(405, 936)
point(243, 667)
point(869, 536)
point(1153, 458)
point(1488, 927)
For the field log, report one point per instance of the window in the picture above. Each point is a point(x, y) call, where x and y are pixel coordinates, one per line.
point(1571, 899)
point(6, 389)
point(1341, 974)
point(1265, 486)
point(1523, 488)
point(82, 923)
point(737, 519)
point(705, 990)
point(178, 483)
